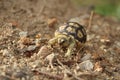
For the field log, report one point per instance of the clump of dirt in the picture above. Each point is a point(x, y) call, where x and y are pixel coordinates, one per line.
point(27, 25)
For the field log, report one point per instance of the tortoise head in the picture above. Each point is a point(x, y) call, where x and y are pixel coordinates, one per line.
point(64, 41)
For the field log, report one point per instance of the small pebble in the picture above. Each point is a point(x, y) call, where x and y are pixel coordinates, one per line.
point(23, 34)
point(52, 22)
point(86, 57)
point(31, 48)
point(90, 37)
point(6, 52)
point(85, 65)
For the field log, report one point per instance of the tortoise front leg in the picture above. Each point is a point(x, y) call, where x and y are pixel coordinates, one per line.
point(70, 49)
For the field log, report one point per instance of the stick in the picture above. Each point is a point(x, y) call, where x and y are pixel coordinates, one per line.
point(49, 75)
point(69, 72)
point(90, 19)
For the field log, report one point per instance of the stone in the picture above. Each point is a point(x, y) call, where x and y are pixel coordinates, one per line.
point(85, 65)
point(86, 57)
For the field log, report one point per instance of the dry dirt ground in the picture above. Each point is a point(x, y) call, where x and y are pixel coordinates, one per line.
point(27, 25)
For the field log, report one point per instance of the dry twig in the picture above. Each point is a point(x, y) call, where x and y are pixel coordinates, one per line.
point(68, 71)
point(49, 75)
point(90, 20)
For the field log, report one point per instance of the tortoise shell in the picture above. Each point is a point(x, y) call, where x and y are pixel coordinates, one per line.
point(75, 30)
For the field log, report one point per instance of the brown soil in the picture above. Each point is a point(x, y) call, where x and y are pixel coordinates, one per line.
point(27, 57)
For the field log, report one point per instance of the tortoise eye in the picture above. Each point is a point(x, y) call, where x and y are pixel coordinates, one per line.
point(61, 41)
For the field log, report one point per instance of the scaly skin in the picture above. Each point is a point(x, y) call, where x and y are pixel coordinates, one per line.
point(68, 35)
point(70, 48)
point(69, 43)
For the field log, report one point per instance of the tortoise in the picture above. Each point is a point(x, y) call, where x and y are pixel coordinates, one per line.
point(69, 35)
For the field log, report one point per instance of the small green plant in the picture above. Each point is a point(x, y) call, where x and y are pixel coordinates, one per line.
point(104, 7)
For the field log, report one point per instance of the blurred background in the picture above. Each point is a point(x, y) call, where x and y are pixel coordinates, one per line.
point(104, 7)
